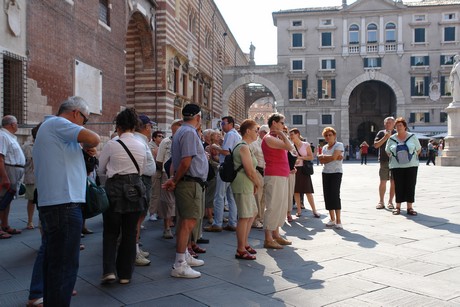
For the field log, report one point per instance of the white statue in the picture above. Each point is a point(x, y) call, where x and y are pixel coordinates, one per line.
point(455, 79)
point(190, 54)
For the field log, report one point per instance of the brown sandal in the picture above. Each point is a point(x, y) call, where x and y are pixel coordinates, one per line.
point(198, 249)
point(411, 211)
point(244, 255)
point(397, 211)
point(251, 250)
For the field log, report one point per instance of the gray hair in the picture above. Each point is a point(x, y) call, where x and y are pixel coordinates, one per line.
point(388, 118)
point(8, 120)
point(74, 103)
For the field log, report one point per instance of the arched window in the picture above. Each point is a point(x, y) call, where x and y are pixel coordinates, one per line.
point(390, 32)
point(353, 37)
point(372, 33)
point(192, 22)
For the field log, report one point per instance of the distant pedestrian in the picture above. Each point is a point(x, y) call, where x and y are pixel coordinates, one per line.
point(431, 152)
point(363, 150)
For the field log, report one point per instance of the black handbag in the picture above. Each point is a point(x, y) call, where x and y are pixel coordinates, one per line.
point(96, 200)
point(307, 167)
point(132, 192)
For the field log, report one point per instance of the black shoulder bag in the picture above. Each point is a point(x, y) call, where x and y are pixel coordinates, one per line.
point(133, 192)
point(307, 168)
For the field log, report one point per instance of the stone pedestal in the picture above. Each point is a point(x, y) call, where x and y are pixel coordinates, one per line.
point(451, 152)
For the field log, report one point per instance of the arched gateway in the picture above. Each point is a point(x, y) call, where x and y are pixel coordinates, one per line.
point(365, 102)
point(269, 76)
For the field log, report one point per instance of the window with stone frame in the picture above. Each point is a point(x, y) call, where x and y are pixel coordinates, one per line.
point(449, 34)
point(297, 40)
point(104, 11)
point(326, 119)
point(419, 35)
point(326, 39)
point(390, 32)
point(420, 86)
point(372, 33)
point(353, 34)
point(14, 84)
point(326, 88)
point(297, 119)
point(297, 88)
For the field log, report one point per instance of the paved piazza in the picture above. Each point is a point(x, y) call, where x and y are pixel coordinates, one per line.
point(377, 260)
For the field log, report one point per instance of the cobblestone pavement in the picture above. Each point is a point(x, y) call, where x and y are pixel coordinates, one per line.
point(377, 259)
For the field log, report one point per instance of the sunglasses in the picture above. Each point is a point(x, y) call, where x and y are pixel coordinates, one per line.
point(85, 119)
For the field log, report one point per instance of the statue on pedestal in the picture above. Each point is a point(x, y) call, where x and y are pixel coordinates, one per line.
point(455, 79)
point(252, 48)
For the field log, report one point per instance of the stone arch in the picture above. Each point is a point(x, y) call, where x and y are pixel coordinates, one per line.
point(370, 75)
point(250, 79)
point(140, 62)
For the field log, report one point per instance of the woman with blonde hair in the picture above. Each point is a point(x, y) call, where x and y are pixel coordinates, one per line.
point(332, 158)
point(303, 183)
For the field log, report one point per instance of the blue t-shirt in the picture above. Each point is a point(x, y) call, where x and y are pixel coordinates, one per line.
point(231, 138)
point(187, 143)
point(60, 170)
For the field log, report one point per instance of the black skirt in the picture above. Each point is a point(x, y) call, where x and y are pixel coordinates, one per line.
point(303, 182)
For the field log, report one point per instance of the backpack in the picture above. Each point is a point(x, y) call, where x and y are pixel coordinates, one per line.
point(403, 156)
point(227, 170)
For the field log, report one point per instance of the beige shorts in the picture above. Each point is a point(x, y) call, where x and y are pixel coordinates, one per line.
point(246, 205)
point(30, 188)
point(189, 200)
point(384, 171)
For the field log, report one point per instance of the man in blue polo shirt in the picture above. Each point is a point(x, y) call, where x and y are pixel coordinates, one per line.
point(190, 166)
point(60, 174)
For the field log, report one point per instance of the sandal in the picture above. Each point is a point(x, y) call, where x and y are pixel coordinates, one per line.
point(4, 235)
point(380, 205)
point(11, 231)
point(198, 249)
point(192, 252)
point(244, 255)
point(396, 211)
point(390, 206)
point(35, 303)
point(289, 218)
point(30, 225)
point(251, 250)
point(411, 211)
point(298, 214)
point(316, 214)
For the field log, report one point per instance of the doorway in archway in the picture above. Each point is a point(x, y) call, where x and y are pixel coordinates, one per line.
point(370, 102)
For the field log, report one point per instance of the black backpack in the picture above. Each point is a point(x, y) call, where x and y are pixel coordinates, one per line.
point(227, 170)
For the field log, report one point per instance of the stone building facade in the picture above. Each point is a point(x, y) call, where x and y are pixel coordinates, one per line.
point(351, 66)
point(155, 56)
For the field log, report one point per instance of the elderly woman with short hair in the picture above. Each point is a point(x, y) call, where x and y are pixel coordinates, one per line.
point(331, 158)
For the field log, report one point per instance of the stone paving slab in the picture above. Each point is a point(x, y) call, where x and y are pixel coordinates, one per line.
point(377, 260)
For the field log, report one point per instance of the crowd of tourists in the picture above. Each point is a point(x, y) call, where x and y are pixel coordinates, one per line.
point(176, 179)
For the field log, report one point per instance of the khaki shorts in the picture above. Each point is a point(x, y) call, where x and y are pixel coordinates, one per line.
point(30, 188)
point(189, 200)
point(246, 205)
point(384, 171)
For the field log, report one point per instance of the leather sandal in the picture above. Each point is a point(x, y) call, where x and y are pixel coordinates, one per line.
point(198, 249)
point(380, 206)
point(411, 211)
point(4, 235)
point(397, 211)
point(244, 255)
point(11, 231)
point(251, 250)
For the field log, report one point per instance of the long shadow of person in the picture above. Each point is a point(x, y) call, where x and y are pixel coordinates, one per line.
point(434, 222)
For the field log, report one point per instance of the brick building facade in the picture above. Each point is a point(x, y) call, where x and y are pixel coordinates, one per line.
point(156, 56)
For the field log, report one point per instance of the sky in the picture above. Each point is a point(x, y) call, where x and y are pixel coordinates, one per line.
point(251, 21)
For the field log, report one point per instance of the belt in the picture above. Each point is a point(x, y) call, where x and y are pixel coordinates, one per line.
point(148, 177)
point(260, 170)
point(15, 165)
point(198, 180)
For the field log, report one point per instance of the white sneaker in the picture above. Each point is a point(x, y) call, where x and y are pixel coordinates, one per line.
point(167, 234)
point(192, 261)
point(184, 271)
point(338, 226)
point(330, 223)
point(144, 253)
point(153, 217)
point(141, 261)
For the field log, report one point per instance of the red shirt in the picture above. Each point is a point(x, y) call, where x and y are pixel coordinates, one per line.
point(276, 161)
